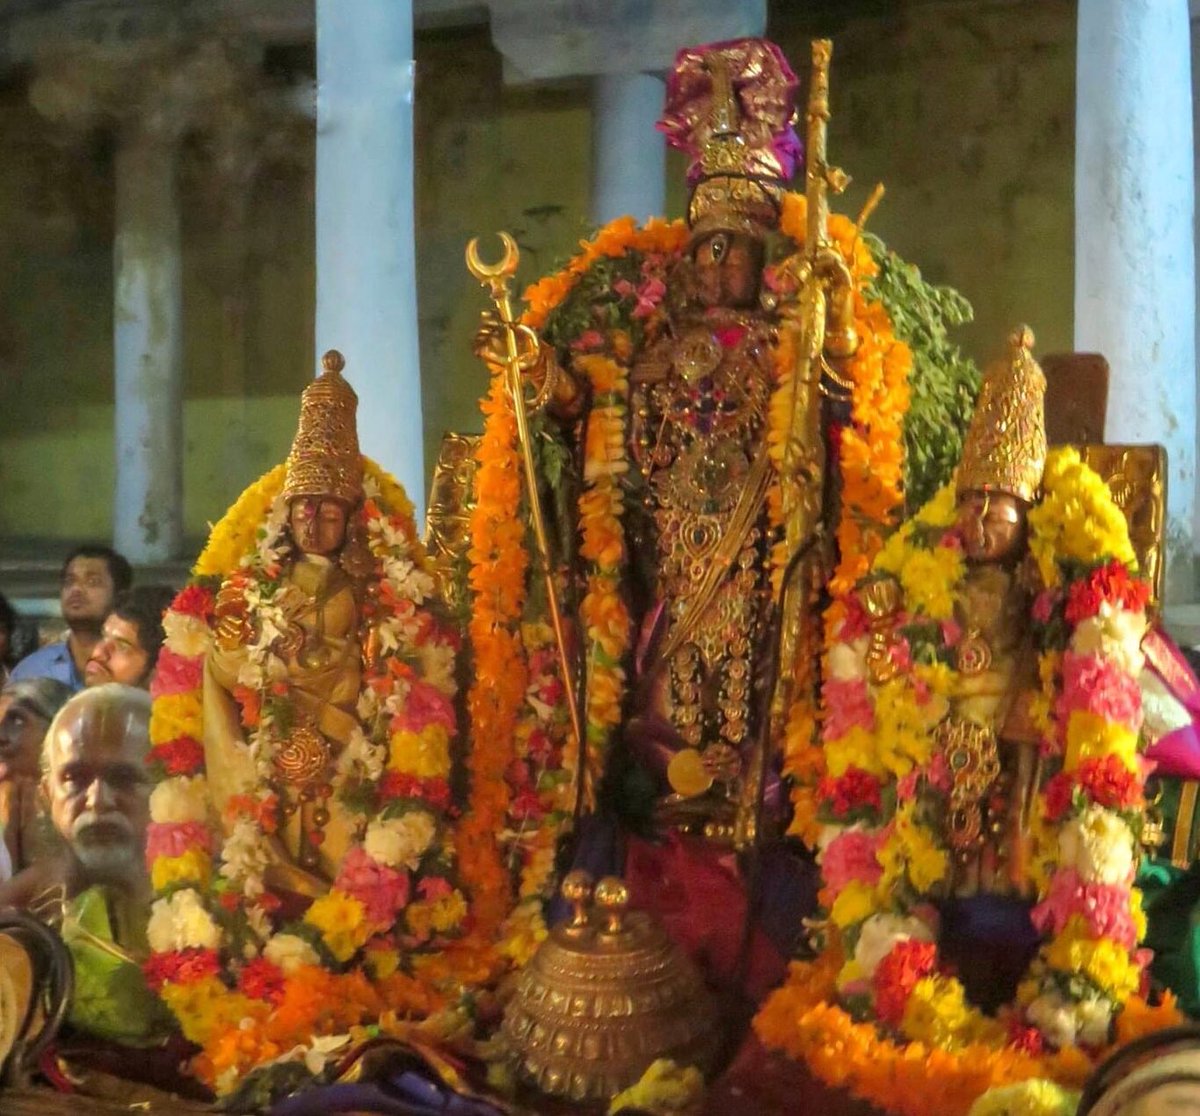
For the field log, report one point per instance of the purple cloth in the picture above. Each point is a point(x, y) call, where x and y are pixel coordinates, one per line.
point(764, 87)
point(406, 1093)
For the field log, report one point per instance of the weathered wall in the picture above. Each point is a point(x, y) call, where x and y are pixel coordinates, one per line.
point(248, 296)
point(965, 110)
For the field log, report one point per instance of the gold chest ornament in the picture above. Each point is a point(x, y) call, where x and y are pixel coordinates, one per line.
point(606, 995)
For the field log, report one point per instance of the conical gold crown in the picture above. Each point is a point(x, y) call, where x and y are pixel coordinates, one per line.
point(324, 460)
point(730, 197)
point(1005, 447)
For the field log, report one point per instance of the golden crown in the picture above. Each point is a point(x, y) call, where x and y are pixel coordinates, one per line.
point(1005, 446)
point(730, 107)
point(728, 198)
point(324, 459)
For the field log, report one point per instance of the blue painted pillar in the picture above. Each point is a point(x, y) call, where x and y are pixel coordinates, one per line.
point(366, 252)
point(629, 158)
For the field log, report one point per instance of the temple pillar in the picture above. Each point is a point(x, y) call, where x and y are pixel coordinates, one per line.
point(147, 350)
point(1135, 294)
point(628, 166)
point(1194, 11)
point(366, 251)
point(620, 47)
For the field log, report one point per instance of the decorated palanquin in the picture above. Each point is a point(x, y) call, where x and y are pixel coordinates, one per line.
point(982, 790)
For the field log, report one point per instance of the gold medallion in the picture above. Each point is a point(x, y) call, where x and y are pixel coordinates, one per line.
point(974, 654)
point(302, 758)
point(688, 774)
point(698, 356)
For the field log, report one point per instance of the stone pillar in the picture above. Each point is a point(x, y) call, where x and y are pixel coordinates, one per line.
point(366, 252)
point(1135, 293)
point(628, 161)
point(147, 350)
point(1194, 9)
point(619, 47)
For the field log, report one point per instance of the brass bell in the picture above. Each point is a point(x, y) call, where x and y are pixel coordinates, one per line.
point(605, 995)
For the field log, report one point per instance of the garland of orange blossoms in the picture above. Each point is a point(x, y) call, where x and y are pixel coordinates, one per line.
point(600, 354)
point(876, 1014)
point(517, 695)
point(247, 987)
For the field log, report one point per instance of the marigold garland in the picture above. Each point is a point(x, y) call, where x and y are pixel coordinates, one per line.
point(922, 1047)
point(517, 695)
point(870, 465)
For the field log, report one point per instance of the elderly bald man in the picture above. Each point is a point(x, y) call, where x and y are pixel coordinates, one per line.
point(95, 789)
point(97, 888)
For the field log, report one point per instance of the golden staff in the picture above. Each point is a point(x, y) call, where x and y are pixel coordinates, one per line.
point(495, 278)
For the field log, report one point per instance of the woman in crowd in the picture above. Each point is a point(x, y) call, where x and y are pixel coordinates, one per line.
point(26, 710)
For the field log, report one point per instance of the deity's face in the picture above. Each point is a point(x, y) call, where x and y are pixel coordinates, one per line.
point(728, 269)
point(318, 524)
point(95, 779)
point(21, 732)
point(87, 591)
point(119, 656)
point(992, 525)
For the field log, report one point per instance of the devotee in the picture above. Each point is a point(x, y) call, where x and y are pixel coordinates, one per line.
point(131, 638)
point(91, 577)
point(97, 795)
point(8, 625)
point(26, 710)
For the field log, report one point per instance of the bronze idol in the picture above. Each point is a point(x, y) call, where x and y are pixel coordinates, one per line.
point(321, 592)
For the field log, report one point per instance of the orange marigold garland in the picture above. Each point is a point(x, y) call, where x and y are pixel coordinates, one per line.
point(499, 563)
point(518, 695)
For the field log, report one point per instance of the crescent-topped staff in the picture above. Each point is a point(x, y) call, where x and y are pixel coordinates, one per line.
point(495, 277)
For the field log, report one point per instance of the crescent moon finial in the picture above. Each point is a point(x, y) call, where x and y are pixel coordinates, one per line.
point(506, 266)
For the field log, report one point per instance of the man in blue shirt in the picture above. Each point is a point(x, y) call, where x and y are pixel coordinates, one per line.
point(92, 576)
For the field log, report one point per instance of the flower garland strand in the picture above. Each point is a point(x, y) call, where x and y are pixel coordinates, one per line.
point(245, 986)
point(875, 1013)
point(517, 695)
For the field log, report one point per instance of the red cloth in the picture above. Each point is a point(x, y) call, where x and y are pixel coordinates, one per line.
point(697, 895)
